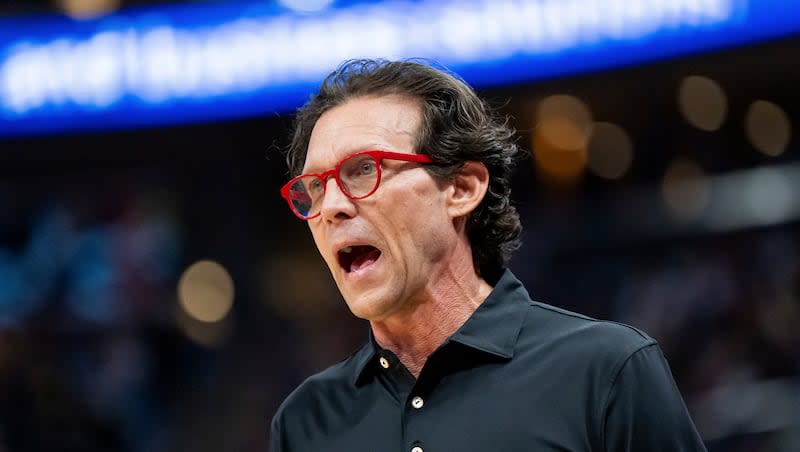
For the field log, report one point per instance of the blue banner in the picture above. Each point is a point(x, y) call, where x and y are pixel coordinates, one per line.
point(183, 63)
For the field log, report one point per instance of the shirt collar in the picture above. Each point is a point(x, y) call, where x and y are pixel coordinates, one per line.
point(363, 358)
point(493, 328)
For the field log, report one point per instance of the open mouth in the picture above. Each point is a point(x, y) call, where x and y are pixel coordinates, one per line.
point(354, 258)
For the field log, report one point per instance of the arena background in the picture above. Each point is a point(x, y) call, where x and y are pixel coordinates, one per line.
point(156, 294)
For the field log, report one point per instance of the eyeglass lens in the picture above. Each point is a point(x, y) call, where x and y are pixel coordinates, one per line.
point(358, 177)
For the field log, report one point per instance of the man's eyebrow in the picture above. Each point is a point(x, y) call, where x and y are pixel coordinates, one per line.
point(316, 168)
point(310, 170)
point(354, 150)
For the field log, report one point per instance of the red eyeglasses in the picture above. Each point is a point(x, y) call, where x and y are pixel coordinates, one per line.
point(357, 175)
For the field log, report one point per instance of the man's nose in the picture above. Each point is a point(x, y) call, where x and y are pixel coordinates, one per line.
point(336, 205)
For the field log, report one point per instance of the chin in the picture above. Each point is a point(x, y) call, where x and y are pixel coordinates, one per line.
point(368, 306)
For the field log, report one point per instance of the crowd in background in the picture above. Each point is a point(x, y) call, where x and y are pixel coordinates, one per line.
point(99, 359)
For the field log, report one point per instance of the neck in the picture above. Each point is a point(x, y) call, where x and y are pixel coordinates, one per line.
point(450, 299)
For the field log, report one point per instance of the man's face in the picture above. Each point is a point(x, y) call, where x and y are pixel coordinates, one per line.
point(399, 236)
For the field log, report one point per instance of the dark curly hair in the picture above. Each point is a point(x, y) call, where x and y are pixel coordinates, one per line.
point(457, 126)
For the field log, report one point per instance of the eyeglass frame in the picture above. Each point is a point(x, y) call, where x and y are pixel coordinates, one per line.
point(376, 154)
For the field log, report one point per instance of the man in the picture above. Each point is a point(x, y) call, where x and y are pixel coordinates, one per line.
point(402, 174)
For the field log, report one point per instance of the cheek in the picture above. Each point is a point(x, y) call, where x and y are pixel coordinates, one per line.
point(421, 205)
point(315, 234)
point(319, 242)
point(427, 233)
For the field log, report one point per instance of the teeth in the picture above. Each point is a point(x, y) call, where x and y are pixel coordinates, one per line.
point(347, 249)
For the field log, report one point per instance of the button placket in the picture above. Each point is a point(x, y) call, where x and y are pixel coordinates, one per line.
point(415, 420)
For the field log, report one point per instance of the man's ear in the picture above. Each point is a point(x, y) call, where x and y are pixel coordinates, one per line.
point(468, 187)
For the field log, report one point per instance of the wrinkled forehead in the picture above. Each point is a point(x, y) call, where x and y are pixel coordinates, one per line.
point(387, 123)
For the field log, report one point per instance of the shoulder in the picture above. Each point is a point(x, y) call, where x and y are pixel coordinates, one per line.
point(617, 376)
point(582, 337)
point(573, 323)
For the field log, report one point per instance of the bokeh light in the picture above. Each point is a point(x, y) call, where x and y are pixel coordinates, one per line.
point(610, 150)
point(88, 9)
point(768, 195)
point(570, 108)
point(208, 334)
point(205, 291)
point(768, 127)
point(560, 137)
point(702, 102)
point(686, 190)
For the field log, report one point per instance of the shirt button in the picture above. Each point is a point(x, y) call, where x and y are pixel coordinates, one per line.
point(384, 362)
point(416, 449)
point(417, 403)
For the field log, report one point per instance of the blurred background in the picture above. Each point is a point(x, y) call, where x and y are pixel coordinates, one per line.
point(156, 294)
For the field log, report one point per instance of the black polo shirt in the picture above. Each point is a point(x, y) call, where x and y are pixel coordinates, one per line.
point(517, 376)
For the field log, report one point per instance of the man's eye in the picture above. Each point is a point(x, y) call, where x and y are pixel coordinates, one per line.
point(315, 186)
point(366, 167)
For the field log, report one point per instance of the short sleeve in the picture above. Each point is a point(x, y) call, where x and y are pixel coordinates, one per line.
point(644, 409)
